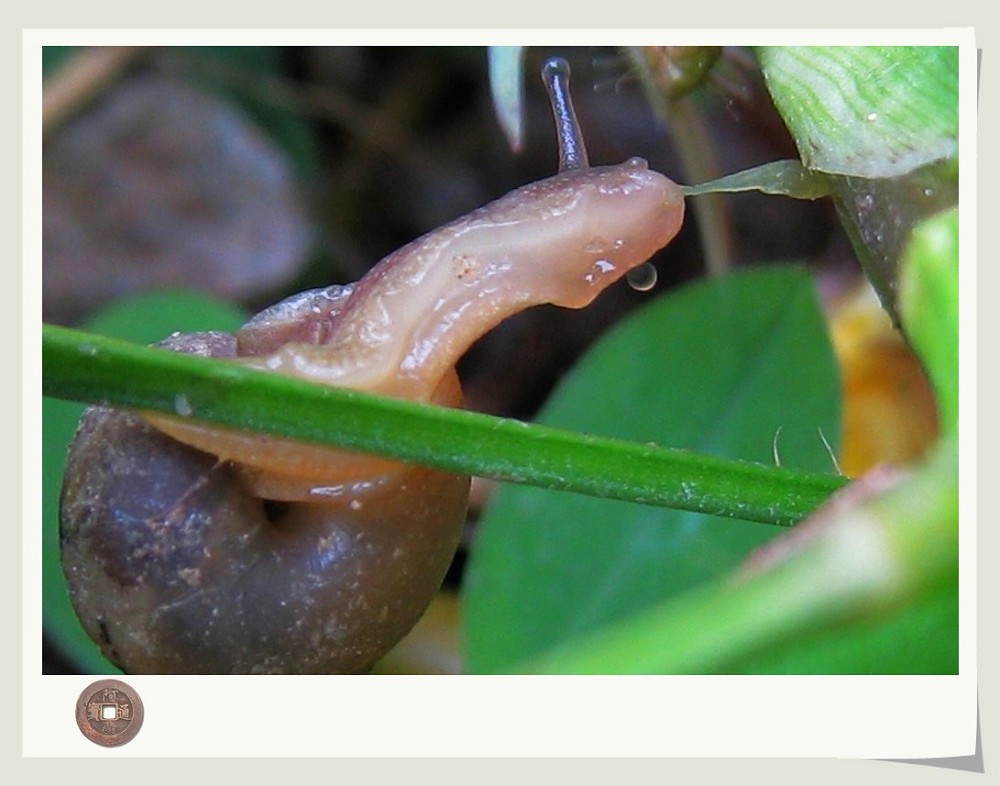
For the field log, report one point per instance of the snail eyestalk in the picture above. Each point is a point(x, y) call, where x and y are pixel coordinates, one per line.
point(572, 150)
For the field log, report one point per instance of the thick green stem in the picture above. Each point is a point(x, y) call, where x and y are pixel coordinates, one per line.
point(89, 368)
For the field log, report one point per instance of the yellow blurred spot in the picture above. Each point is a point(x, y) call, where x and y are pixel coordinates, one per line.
point(890, 415)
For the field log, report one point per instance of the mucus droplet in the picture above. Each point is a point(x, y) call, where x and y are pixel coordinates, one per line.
point(642, 278)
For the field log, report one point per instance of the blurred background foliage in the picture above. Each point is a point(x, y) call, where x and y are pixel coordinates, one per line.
point(244, 174)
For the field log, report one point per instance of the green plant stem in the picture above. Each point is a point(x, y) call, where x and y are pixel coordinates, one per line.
point(90, 368)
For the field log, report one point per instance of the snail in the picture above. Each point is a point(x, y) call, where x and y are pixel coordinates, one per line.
point(193, 548)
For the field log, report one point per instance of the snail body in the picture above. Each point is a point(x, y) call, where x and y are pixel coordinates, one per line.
point(193, 548)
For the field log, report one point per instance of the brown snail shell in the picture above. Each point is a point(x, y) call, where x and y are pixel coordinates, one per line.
point(174, 567)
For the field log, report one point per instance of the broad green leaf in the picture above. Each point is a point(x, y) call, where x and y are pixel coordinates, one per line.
point(866, 111)
point(146, 319)
point(739, 367)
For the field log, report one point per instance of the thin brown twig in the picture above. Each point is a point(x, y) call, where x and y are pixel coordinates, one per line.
point(699, 163)
point(82, 77)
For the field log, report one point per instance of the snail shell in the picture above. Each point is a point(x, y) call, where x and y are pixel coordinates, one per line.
point(176, 567)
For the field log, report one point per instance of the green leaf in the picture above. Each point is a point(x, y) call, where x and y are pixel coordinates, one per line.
point(866, 111)
point(146, 320)
point(506, 72)
point(783, 178)
point(54, 56)
point(739, 367)
point(922, 638)
point(929, 303)
point(884, 122)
